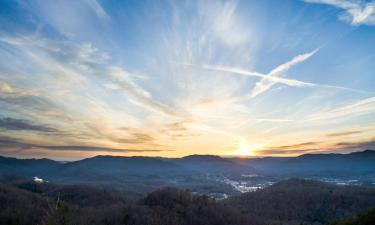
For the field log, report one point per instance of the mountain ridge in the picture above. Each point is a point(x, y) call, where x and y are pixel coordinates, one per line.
point(362, 152)
point(201, 173)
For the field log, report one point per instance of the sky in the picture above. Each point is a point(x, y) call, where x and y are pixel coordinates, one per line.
point(175, 78)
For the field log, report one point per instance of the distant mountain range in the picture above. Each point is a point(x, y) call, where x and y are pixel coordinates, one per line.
point(143, 174)
point(353, 163)
point(361, 161)
point(117, 165)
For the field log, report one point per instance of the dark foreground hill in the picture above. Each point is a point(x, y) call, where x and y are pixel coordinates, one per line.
point(365, 218)
point(298, 201)
point(66, 204)
point(290, 202)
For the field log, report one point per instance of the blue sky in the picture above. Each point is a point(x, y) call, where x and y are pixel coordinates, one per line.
point(173, 78)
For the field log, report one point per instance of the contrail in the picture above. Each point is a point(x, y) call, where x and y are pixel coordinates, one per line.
point(273, 77)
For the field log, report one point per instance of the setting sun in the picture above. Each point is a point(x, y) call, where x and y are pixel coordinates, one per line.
point(244, 150)
point(247, 149)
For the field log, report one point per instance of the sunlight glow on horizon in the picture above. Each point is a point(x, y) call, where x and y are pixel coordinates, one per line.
point(244, 150)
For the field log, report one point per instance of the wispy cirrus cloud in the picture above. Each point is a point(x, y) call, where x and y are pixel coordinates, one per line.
point(7, 143)
point(122, 79)
point(226, 26)
point(356, 145)
point(98, 9)
point(22, 124)
point(360, 107)
point(77, 63)
point(29, 103)
point(356, 12)
point(304, 145)
point(344, 133)
point(334, 114)
point(284, 152)
point(83, 58)
point(318, 147)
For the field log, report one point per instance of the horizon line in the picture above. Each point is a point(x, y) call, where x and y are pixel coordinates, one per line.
point(221, 156)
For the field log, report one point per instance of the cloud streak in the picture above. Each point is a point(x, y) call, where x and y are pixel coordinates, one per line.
point(356, 12)
point(344, 133)
point(360, 107)
point(98, 9)
point(19, 124)
point(316, 147)
point(6, 143)
point(370, 144)
point(138, 95)
point(83, 58)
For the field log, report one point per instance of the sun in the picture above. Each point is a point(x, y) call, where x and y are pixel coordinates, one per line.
point(247, 149)
point(244, 150)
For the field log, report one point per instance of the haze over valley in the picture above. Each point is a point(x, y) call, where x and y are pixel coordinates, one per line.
point(215, 176)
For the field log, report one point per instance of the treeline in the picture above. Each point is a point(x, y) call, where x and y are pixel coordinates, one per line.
point(289, 202)
point(364, 218)
point(305, 201)
point(72, 205)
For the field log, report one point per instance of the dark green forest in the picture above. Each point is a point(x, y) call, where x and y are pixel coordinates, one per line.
point(294, 201)
point(364, 218)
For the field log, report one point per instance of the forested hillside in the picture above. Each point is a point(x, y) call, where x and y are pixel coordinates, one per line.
point(290, 202)
point(364, 218)
point(60, 205)
point(297, 200)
